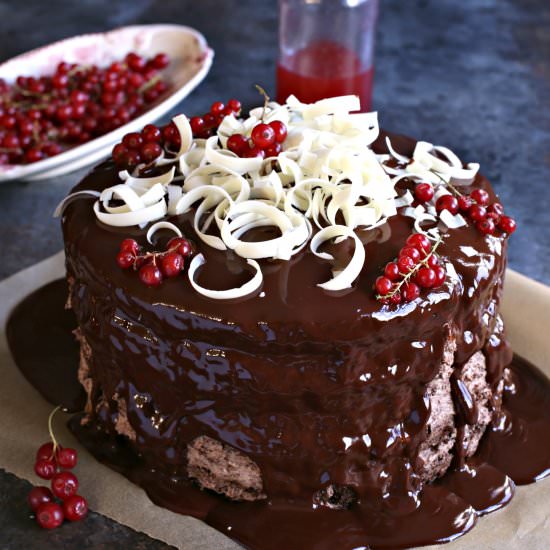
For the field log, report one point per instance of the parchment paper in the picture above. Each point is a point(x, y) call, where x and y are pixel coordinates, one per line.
point(524, 524)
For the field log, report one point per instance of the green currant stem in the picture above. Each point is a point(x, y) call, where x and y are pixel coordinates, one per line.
point(149, 83)
point(407, 276)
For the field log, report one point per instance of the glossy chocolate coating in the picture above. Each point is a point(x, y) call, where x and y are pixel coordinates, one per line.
point(315, 387)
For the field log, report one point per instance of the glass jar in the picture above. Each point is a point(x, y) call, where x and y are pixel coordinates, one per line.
point(326, 49)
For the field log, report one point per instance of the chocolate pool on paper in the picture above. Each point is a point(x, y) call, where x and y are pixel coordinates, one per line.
point(513, 452)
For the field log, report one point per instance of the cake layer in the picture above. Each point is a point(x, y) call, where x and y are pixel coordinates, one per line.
point(319, 391)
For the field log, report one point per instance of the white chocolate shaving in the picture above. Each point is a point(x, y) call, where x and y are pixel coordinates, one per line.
point(327, 176)
point(60, 208)
point(344, 278)
point(248, 288)
point(404, 200)
point(161, 225)
point(394, 153)
point(452, 221)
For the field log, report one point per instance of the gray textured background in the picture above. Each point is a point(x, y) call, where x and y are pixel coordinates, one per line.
point(472, 75)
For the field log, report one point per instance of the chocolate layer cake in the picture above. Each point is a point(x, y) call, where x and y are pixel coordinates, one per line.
point(336, 397)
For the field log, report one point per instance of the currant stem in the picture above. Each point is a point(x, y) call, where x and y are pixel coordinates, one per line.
point(449, 184)
point(149, 84)
point(50, 429)
point(407, 276)
point(266, 99)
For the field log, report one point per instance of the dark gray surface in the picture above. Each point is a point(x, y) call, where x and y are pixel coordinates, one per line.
point(474, 76)
point(19, 530)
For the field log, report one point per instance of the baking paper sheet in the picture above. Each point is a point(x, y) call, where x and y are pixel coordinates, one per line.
point(522, 525)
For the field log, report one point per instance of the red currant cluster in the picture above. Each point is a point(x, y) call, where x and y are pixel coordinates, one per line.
point(416, 267)
point(52, 463)
point(206, 125)
point(146, 146)
point(265, 141)
point(486, 217)
point(40, 117)
point(153, 267)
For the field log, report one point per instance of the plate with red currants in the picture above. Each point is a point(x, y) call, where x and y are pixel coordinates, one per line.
point(65, 105)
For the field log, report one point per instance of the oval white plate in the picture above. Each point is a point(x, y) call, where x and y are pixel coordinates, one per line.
point(190, 57)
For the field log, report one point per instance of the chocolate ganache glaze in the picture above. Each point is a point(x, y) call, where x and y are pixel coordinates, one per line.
point(327, 393)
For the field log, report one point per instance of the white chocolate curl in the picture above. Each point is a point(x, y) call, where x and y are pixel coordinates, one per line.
point(326, 177)
point(344, 278)
point(248, 288)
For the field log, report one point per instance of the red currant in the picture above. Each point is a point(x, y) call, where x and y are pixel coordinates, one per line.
point(432, 261)
point(447, 202)
point(217, 108)
point(10, 141)
point(263, 135)
point(125, 260)
point(405, 264)
point(150, 275)
point(67, 458)
point(38, 496)
point(419, 241)
point(150, 151)
point(171, 264)
point(234, 105)
point(59, 81)
point(197, 125)
point(160, 61)
point(132, 140)
point(64, 485)
point(477, 212)
point(209, 120)
point(75, 508)
point(486, 226)
point(496, 208)
point(410, 292)
point(46, 452)
point(480, 196)
point(49, 515)
point(151, 133)
point(464, 203)
point(411, 252)
point(135, 62)
point(440, 276)
point(383, 285)
point(119, 153)
point(507, 224)
point(237, 143)
point(64, 113)
point(45, 469)
point(424, 192)
point(78, 96)
point(391, 271)
point(273, 150)
point(280, 130)
point(395, 298)
point(253, 152)
point(132, 158)
point(180, 245)
point(129, 245)
point(425, 277)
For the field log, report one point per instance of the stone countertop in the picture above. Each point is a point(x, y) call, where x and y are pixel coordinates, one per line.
point(474, 76)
